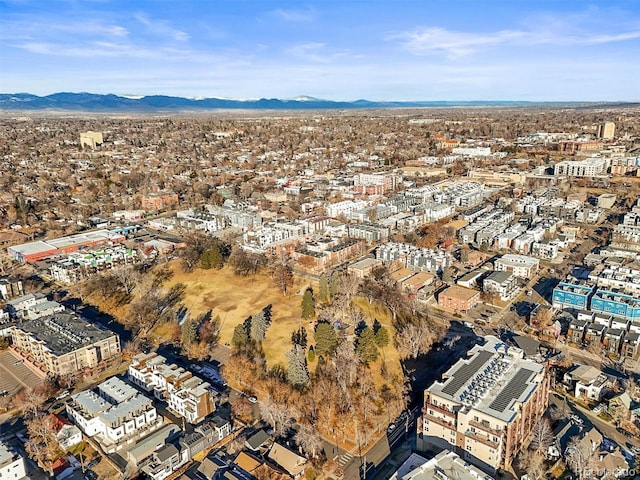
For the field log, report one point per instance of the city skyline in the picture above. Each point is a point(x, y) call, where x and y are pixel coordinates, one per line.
point(382, 50)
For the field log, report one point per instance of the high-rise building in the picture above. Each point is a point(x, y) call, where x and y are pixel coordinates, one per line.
point(486, 406)
point(606, 130)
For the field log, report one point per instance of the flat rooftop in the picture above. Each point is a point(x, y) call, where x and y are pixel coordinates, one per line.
point(116, 389)
point(64, 332)
point(493, 380)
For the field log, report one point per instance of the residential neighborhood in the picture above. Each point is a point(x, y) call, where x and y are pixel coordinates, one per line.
point(435, 294)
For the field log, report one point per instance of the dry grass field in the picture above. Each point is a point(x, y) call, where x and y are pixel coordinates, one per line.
point(233, 298)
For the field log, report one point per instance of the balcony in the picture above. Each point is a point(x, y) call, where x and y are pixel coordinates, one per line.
point(440, 421)
point(482, 439)
point(435, 408)
point(485, 428)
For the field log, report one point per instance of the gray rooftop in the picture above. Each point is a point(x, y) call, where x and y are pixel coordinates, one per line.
point(89, 402)
point(6, 456)
point(117, 390)
point(491, 381)
point(123, 410)
point(64, 332)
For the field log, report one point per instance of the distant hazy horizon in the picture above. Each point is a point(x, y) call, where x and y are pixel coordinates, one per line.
point(380, 50)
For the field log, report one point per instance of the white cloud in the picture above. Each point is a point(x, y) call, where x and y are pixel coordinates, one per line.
point(453, 44)
point(162, 28)
point(295, 16)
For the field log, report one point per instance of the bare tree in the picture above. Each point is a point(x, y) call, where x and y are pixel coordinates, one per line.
point(308, 438)
point(415, 338)
point(533, 463)
point(279, 416)
point(541, 437)
point(581, 459)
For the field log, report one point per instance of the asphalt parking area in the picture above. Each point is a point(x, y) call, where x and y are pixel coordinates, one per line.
point(15, 374)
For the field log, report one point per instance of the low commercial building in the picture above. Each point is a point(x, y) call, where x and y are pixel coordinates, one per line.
point(43, 249)
point(364, 267)
point(486, 405)
point(64, 343)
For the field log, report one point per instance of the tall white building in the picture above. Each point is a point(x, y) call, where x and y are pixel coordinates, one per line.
point(589, 167)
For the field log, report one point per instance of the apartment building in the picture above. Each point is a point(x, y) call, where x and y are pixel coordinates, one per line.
point(589, 167)
point(502, 284)
point(606, 130)
point(572, 295)
point(77, 266)
point(64, 343)
point(520, 266)
point(486, 405)
point(368, 232)
point(114, 414)
point(416, 258)
point(91, 139)
point(12, 464)
point(187, 395)
point(615, 303)
point(10, 288)
point(458, 299)
point(444, 466)
point(346, 207)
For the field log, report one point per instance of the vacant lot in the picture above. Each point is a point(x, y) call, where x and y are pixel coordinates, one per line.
point(233, 298)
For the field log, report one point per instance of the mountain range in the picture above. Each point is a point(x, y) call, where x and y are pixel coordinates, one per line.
point(91, 102)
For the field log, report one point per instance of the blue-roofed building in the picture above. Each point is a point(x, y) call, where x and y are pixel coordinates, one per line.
point(572, 295)
point(616, 304)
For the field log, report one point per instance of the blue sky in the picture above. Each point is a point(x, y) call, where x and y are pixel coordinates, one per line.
point(341, 50)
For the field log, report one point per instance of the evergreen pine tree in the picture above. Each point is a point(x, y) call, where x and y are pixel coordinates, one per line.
point(376, 325)
point(299, 337)
point(326, 340)
point(382, 337)
point(189, 332)
point(240, 337)
point(258, 328)
point(298, 373)
point(308, 305)
point(366, 346)
point(323, 289)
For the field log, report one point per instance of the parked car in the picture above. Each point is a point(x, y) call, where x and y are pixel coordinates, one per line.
point(624, 432)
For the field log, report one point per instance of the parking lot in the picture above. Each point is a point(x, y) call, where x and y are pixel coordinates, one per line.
point(14, 374)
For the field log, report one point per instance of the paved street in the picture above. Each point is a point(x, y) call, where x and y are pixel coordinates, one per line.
point(591, 419)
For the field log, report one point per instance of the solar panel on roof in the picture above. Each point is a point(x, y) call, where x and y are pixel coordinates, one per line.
point(466, 371)
point(513, 390)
